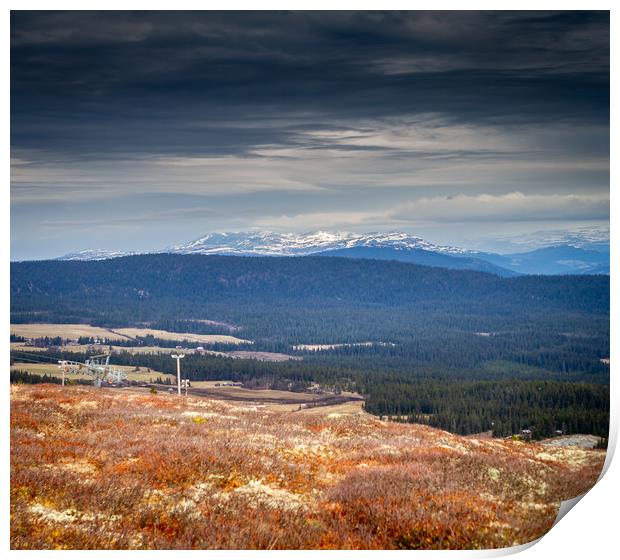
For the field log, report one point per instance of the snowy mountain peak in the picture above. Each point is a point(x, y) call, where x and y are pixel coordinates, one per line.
point(270, 243)
point(94, 255)
point(283, 244)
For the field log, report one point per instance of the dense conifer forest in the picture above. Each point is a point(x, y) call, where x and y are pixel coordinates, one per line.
point(465, 351)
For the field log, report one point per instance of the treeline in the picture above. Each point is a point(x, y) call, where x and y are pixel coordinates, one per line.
point(440, 399)
point(443, 328)
point(22, 376)
point(430, 315)
point(505, 407)
point(149, 340)
point(189, 326)
point(176, 287)
point(526, 354)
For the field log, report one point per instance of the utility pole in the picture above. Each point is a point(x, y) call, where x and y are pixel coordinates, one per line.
point(178, 358)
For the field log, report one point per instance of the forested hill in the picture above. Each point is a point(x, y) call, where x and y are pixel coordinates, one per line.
point(412, 339)
point(302, 280)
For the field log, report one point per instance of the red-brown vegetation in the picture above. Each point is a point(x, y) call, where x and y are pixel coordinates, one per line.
point(111, 469)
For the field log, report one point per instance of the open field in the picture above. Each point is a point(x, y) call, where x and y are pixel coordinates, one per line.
point(27, 348)
point(167, 335)
point(74, 331)
point(70, 331)
point(88, 348)
point(345, 408)
point(104, 468)
point(52, 369)
point(336, 410)
point(235, 393)
point(253, 394)
point(320, 409)
point(237, 354)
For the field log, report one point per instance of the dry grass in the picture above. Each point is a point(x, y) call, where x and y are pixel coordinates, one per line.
point(74, 331)
point(24, 346)
point(168, 335)
point(69, 331)
point(52, 369)
point(336, 410)
point(255, 394)
point(280, 401)
point(88, 348)
point(212, 384)
point(113, 469)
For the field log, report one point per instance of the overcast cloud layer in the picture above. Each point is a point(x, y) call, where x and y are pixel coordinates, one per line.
point(137, 131)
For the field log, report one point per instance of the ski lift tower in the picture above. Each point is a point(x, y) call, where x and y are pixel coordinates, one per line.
point(95, 367)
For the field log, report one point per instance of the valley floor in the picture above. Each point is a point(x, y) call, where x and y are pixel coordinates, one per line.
point(103, 468)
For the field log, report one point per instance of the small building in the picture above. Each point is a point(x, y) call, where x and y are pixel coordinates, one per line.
point(526, 435)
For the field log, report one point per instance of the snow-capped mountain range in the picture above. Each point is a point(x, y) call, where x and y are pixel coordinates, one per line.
point(95, 255)
point(266, 243)
point(290, 244)
point(590, 237)
point(586, 252)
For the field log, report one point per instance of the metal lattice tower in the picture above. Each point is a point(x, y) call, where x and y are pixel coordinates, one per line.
point(95, 366)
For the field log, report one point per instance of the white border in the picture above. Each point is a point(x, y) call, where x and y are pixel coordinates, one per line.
point(588, 530)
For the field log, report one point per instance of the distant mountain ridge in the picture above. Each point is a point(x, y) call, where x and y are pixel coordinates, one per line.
point(458, 261)
point(400, 246)
point(95, 255)
point(594, 238)
point(299, 244)
point(557, 259)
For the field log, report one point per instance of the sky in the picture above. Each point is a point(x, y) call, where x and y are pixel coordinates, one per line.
point(138, 131)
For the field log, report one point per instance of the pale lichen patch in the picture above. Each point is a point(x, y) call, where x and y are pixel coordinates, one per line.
point(69, 515)
point(259, 494)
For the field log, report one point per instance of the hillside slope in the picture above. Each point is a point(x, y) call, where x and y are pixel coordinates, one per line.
point(418, 316)
point(200, 278)
point(558, 259)
point(110, 469)
point(422, 257)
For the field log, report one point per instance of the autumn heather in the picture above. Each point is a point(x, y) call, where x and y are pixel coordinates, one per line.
point(119, 469)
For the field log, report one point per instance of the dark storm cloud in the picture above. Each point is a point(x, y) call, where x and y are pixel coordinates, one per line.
point(144, 83)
